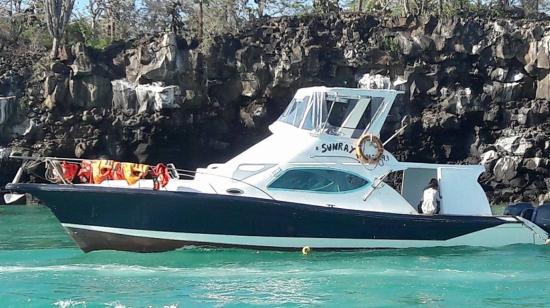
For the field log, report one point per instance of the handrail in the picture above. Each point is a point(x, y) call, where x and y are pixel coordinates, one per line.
point(46, 159)
point(375, 185)
point(395, 134)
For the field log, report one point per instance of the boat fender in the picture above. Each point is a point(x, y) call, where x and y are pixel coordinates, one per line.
point(306, 250)
point(368, 158)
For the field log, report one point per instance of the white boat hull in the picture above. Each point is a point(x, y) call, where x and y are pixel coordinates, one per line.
point(507, 234)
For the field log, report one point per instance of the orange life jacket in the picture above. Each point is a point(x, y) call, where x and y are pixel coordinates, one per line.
point(134, 172)
point(101, 170)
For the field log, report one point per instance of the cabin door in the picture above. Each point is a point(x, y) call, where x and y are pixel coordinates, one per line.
point(460, 192)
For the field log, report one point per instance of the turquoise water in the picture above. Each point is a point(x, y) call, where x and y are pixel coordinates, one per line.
point(40, 267)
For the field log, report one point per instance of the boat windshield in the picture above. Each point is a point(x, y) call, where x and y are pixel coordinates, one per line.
point(294, 113)
point(307, 111)
point(335, 115)
point(350, 116)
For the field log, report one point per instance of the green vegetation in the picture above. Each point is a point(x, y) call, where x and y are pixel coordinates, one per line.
point(101, 22)
point(37, 37)
point(390, 44)
point(81, 31)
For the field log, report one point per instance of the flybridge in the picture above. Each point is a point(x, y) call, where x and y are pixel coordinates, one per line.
point(341, 112)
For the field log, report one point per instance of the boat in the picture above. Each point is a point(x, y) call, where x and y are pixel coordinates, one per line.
point(320, 181)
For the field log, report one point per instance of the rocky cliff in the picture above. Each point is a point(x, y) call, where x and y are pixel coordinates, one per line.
point(477, 91)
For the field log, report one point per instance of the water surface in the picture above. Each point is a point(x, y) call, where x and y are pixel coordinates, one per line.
point(41, 267)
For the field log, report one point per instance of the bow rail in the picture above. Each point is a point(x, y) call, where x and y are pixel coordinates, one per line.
point(54, 173)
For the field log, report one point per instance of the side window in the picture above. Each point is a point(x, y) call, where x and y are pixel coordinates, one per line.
point(301, 106)
point(294, 113)
point(287, 116)
point(318, 180)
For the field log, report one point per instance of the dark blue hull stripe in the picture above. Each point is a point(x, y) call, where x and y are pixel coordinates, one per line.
point(233, 215)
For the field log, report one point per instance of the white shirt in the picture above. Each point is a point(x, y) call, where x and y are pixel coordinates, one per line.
point(429, 201)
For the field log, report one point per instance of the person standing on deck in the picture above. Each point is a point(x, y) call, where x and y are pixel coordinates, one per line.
point(430, 198)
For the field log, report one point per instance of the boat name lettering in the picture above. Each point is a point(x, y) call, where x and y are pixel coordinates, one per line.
point(336, 146)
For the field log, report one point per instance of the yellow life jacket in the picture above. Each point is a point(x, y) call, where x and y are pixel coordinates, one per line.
point(134, 172)
point(101, 170)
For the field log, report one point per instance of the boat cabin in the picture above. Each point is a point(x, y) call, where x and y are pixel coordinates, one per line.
point(311, 157)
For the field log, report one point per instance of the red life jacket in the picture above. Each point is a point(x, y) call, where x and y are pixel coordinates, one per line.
point(117, 173)
point(85, 172)
point(69, 170)
point(161, 176)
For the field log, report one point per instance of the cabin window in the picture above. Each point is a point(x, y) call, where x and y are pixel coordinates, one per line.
point(318, 180)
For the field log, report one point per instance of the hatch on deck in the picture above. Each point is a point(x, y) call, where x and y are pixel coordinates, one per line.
point(339, 111)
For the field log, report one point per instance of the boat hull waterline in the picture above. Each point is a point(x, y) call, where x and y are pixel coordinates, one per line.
point(103, 218)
